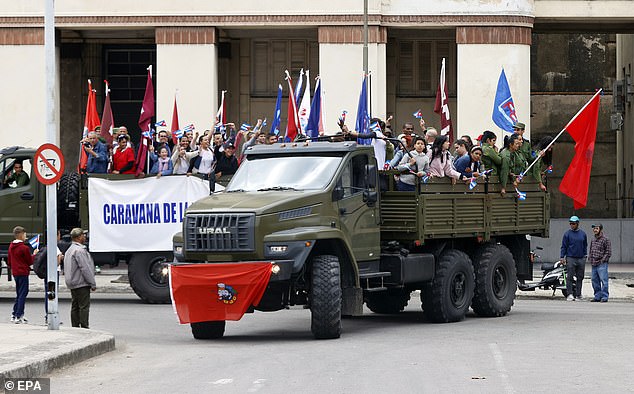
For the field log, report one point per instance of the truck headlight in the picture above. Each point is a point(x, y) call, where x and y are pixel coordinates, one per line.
point(178, 252)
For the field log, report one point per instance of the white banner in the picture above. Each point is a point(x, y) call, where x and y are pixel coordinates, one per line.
point(138, 215)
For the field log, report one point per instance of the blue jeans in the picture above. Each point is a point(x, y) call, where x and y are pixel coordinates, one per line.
point(600, 281)
point(21, 291)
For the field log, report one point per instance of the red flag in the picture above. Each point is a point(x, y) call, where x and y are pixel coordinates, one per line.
point(208, 292)
point(108, 120)
point(292, 127)
point(91, 121)
point(583, 129)
point(175, 126)
point(442, 105)
point(145, 123)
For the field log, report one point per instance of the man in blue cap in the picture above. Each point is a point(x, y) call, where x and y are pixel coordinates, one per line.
point(574, 247)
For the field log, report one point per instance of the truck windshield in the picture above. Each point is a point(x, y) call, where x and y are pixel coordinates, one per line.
point(284, 173)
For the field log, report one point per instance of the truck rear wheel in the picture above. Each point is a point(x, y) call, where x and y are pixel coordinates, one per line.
point(387, 302)
point(148, 276)
point(325, 298)
point(68, 201)
point(496, 281)
point(208, 329)
point(447, 298)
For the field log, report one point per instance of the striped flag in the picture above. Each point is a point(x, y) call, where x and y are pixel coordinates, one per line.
point(245, 127)
point(342, 117)
point(188, 128)
point(161, 123)
point(35, 242)
point(520, 196)
point(473, 183)
point(418, 114)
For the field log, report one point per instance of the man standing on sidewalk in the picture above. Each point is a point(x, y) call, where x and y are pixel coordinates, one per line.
point(574, 246)
point(79, 273)
point(600, 252)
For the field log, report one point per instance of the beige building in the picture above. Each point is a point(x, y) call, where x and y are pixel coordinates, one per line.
point(198, 48)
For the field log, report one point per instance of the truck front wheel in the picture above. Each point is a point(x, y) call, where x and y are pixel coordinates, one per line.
point(325, 297)
point(387, 302)
point(447, 298)
point(496, 281)
point(208, 329)
point(148, 276)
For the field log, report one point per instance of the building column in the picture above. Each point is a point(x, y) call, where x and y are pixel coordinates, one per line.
point(187, 62)
point(23, 65)
point(341, 71)
point(482, 53)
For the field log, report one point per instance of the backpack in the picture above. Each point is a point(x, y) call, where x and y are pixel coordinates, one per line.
point(39, 264)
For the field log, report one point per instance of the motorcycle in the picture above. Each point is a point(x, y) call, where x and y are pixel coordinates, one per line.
point(553, 277)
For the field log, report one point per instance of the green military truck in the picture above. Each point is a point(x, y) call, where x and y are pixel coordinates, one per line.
point(25, 205)
point(339, 234)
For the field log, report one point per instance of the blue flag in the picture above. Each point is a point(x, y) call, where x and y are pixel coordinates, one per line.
point(312, 127)
point(275, 126)
point(35, 242)
point(503, 108)
point(363, 118)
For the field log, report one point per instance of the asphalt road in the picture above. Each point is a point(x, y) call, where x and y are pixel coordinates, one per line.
point(542, 346)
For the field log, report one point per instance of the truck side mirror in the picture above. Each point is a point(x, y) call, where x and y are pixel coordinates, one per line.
point(370, 176)
point(337, 193)
point(370, 197)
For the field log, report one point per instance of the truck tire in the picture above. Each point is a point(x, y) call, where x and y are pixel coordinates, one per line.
point(325, 298)
point(387, 302)
point(447, 298)
point(496, 280)
point(208, 329)
point(68, 201)
point(145, 271)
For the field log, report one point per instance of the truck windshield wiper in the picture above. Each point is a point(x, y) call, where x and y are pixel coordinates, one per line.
point(235, 190)
point(276, 188)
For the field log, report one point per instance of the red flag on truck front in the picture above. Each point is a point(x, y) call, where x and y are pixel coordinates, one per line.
point(212, 292)
point(583, 129)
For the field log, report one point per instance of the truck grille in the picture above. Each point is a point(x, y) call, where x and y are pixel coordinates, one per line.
point(221, 232)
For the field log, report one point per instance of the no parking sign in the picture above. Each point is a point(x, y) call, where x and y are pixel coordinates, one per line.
point(49, 164)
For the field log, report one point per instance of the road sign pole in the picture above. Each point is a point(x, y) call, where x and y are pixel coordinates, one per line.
point(52, 286)
point(51, 192)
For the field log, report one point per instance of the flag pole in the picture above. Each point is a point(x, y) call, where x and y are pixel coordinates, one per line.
point(561, 132)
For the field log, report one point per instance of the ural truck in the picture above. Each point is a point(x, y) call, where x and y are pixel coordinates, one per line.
point(129, 220)
point(337, 234)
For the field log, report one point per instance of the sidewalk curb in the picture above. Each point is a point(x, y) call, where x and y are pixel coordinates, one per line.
point(39, 359)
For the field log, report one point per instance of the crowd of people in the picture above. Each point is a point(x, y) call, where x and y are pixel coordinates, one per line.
point(424, 154)
point(430, 155)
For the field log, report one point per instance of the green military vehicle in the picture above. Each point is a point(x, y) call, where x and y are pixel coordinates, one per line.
point(25, 205)
point(338, 234)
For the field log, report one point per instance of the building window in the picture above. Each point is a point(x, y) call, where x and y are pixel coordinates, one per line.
point(269, 59)
point(126, 71)
point(418, 67)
